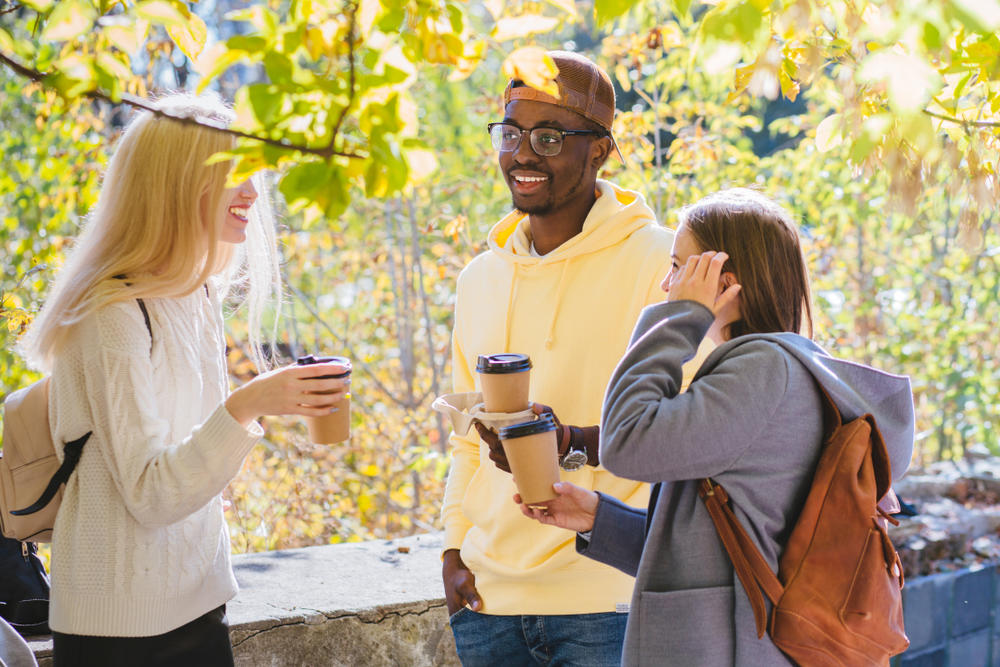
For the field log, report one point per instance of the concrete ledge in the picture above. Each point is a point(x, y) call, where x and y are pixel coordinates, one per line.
point(369, 603)
point(381, 603)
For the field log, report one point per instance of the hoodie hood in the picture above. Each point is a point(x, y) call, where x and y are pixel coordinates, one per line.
point(856, 390)
point(616, 214)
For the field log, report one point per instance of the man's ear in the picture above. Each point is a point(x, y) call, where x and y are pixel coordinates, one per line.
point(600, 151)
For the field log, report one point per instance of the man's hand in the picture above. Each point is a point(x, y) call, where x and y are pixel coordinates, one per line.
point(459, 583)
point(492, 440)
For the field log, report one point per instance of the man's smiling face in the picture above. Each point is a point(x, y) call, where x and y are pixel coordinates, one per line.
point(543, 185)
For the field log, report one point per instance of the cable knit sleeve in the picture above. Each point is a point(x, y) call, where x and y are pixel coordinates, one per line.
point(160, 482)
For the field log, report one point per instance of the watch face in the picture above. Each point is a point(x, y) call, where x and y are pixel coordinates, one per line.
point(574, 460)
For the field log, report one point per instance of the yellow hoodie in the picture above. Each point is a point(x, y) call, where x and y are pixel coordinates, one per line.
point(572, 311)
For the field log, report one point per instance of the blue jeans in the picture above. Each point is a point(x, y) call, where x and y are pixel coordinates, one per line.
point(580, 640)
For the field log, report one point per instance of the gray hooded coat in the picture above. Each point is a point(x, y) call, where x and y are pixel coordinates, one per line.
point(751, 420)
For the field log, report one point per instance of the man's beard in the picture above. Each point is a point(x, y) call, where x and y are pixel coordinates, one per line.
point(550, 205)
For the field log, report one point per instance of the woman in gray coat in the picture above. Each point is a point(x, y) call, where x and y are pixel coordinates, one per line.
point(751, 420)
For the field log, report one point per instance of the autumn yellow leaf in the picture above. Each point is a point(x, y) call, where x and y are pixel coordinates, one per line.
point(368, 12)
point(190, 36)
point(455, 225)
point(422, 164)
point(828, 133)
point(161, 12)
point(69, 20)
point(124, 35)
point(568, 6)
point(533, 66)
point(522, 26)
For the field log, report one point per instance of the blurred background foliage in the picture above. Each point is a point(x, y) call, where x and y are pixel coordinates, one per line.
point(876, 122)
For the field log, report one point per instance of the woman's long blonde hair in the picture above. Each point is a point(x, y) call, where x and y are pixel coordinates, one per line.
point(154, 230)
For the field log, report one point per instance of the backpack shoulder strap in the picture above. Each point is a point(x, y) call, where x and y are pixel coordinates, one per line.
point(751, 568)
point(145, 316)
point(72, 451)
point(145, 312)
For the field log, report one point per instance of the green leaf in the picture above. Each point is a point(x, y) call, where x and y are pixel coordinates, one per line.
point(681, 7)
point(40, 6)
point(391, 19)
point(456, 17)
point(302, 182)
point(982, 16)
point(740, 24)
point(69, 20)
point(279, 67)
point(608, 10)
point(266, 102)
point(932, 36)
point(248, 43)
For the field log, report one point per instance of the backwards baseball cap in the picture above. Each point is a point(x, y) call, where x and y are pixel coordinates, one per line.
point(583, 87)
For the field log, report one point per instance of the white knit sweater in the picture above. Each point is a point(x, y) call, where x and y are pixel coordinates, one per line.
point(140, 545)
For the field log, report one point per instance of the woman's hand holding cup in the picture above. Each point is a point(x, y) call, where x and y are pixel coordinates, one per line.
point(290, 390)
point(573, 508)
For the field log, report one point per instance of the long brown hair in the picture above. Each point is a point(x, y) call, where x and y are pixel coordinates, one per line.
point(762, 242)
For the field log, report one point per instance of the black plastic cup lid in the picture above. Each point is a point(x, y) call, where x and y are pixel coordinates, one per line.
point(310, 359)
point(543, 424)
point(506, 362)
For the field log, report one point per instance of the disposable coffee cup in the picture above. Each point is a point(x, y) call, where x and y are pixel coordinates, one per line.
point(533, 457)
point(336, 426)
point(505, 380)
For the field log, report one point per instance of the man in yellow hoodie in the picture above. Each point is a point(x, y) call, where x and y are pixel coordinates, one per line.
point(563, 281)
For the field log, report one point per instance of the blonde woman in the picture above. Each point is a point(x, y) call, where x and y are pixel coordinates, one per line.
point(140, 554)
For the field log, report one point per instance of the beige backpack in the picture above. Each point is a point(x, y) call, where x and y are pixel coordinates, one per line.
point(31, 476)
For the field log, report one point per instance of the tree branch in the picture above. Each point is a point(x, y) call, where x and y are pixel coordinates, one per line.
point(350, 64)
point(356, 359)
point(139, 103)
point(963, 123)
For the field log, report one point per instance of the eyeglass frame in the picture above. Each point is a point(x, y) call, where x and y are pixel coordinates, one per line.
point(563, 134)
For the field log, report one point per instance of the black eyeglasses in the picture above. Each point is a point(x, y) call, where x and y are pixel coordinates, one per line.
point(545, 141)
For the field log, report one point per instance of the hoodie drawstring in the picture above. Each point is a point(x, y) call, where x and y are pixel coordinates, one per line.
point(550, 337)
point(511, 294)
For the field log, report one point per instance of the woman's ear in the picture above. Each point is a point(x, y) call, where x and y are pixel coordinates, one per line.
point(726, 280)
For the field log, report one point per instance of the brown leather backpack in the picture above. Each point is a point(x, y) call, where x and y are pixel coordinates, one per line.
point(837, 597)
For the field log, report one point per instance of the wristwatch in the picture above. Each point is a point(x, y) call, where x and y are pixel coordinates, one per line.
point(576, 456)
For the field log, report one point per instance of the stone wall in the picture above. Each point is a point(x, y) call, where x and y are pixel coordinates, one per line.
point(380, 603)
point(370, 603)
point(953, 619)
